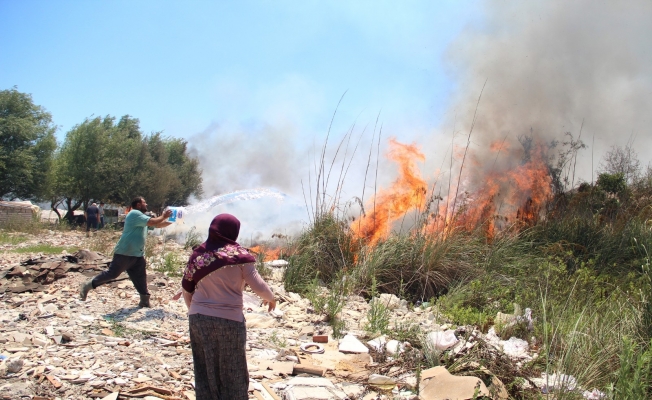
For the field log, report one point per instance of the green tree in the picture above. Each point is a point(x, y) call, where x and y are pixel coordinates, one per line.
point(102, 160)
point(27, 144)
point(166, 174)
point(80, 170)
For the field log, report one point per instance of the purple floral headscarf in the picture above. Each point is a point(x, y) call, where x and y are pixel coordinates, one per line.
point(219, 250)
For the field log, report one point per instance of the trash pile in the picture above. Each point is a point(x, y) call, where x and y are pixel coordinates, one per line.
point(32, 274)
point(54, 346)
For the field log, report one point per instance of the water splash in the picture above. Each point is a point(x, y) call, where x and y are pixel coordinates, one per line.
point(240, 195)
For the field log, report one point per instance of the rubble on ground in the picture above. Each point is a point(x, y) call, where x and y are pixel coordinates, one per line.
point(55, 346)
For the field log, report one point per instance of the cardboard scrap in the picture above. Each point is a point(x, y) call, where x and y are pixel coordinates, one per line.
point(438, 384)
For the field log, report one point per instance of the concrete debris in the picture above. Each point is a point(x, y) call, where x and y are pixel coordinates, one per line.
point(14, 365)
point(378, 344)
point(394, 347)
point(390, 301)
point(353, 390)
point(32, 274)
point(312, 389)
point(350, 344)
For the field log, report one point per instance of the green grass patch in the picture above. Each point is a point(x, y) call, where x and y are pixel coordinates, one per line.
point(43, 248)
point(6, 238)
point(172, 265)
point(32, 226)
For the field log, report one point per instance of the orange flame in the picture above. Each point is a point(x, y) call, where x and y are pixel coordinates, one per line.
point(408, 192)
point(516, 195)
point(504, 198)
point(269, 254)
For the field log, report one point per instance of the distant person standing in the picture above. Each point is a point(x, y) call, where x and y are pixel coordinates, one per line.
point(92, 215)
point(101, 208)
point(129, 252)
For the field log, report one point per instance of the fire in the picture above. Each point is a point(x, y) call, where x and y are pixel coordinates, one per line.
point(499, 145)
point(505, 197)
point(269, 254)
point(508, 197)
point(408, 192)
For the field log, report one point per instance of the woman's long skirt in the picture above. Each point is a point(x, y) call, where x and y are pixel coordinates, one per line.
point(219, 355)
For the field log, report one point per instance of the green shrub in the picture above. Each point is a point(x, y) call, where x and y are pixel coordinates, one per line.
point(172, 265)
point(634, 375)
point(377, 315)
point(612, 183)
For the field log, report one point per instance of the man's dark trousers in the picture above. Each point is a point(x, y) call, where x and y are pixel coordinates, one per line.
point(135, 268)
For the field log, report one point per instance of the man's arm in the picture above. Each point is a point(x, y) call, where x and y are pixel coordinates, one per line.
point(155, 221)
point(163, 224)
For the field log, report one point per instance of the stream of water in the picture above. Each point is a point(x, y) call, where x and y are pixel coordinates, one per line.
point(240, 195)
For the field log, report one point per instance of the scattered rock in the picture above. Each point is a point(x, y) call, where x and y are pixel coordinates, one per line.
point(14, 365)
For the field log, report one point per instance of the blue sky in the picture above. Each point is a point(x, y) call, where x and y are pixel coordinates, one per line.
point(181, 66)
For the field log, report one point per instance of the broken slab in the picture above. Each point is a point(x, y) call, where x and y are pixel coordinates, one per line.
point(353, 390)
point(314, 382)
point(301, 388)
point(351, 344)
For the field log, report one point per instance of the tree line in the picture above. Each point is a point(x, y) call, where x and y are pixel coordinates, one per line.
point(101, 159)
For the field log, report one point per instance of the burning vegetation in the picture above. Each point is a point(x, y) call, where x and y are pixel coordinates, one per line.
point(513, 227)
point(505, 199)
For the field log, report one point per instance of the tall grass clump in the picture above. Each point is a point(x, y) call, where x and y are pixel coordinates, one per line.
point(421, 266)
point(584, 338)
point(193, 239)
point(324, 250)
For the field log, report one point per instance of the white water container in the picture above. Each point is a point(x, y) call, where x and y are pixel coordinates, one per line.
point(177, 214)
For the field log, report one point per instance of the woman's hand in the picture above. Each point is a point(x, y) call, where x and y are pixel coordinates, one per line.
point(272, 305)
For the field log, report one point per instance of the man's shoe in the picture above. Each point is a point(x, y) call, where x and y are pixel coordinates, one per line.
point(85, 288)
point(144, 301)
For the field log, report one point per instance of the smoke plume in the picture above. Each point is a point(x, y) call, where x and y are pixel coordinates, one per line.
point(551, 67)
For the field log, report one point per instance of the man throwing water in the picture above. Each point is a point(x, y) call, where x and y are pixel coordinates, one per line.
point(129, 253)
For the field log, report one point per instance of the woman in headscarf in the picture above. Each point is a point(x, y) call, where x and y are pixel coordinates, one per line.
point(212, 289)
